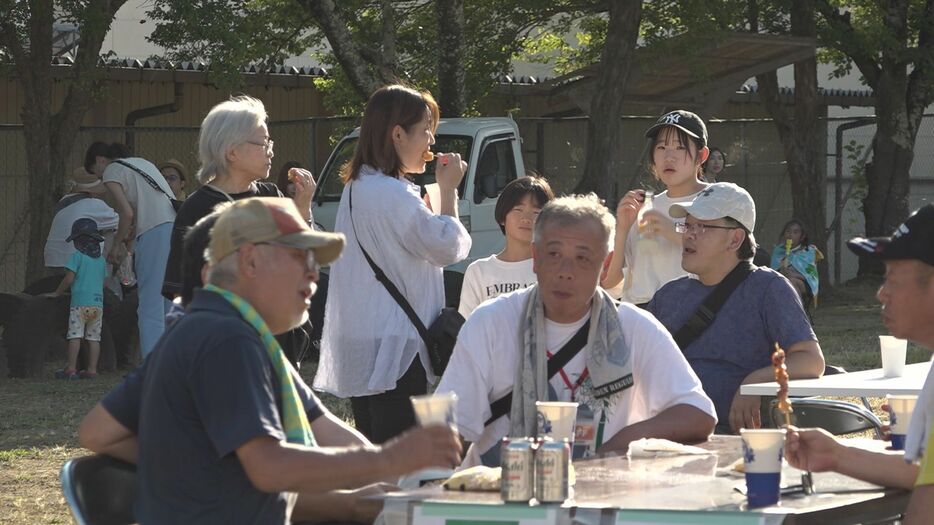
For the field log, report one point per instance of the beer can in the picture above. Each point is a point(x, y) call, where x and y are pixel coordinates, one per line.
point(552, 462)
point(518, 462)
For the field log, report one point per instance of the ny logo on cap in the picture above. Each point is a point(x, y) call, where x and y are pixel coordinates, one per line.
point(902, 230)
point(707, 192)
point(672, 118)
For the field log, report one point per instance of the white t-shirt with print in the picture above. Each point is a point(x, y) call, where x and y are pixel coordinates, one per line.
point(645, 273)
point(483, 367)
point(491, 277)
point(150, 206)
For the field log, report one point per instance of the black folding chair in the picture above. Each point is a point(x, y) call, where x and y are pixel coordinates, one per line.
point(836, 417)
point(100, 490)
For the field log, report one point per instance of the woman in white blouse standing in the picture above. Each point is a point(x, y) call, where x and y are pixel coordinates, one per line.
point(370, 351)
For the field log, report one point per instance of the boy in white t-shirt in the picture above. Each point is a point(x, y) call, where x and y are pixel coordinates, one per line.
point(648, 255)
point(511, 269)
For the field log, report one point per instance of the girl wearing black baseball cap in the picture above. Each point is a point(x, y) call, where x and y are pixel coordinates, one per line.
point(678, 145)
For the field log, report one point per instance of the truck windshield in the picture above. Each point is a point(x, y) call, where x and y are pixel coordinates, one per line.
point(330, 185)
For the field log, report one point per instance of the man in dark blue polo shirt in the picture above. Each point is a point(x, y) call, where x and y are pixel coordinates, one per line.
point(213, 414)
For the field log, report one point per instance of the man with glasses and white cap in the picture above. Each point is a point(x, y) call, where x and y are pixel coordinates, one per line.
point(907, 297)
point(731, 344)
point(222, 427)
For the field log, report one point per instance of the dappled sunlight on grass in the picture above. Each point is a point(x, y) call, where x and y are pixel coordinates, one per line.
point(30, 491)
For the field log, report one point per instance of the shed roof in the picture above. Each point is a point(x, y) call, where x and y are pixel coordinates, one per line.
point(705, 77)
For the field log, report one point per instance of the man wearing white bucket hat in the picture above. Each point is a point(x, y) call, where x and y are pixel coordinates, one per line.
point(907, 298)
point(731, 343)
point(626, 373)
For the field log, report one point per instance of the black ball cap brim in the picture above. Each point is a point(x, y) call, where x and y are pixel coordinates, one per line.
point(912, 240)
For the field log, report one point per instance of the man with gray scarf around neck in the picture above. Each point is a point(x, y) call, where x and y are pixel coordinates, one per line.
point(630, 378)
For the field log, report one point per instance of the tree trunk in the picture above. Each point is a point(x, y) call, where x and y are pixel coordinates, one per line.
point(362, 71)
point(605, 127)
point(802, 135)
point(888, 175)
point(50, 136)
point(901, 75)
point(451, 71)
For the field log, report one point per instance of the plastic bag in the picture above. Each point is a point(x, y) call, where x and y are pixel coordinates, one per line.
point(125, 271)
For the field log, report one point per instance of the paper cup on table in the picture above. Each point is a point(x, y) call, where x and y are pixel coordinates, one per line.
point(556, 419)
point(762, 459)
point(900, 409)
point(893, 355)
point(435, 409)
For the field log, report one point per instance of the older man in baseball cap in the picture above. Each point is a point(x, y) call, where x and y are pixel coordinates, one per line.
point(907, 297)
point(227, 430)
point(727, 315)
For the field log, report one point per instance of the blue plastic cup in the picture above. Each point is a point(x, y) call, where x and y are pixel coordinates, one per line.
point(763, 450)
point(900, 411)
point(898, 441)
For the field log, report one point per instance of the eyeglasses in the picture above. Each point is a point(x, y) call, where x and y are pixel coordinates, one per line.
point(311, 264)
point(698, 228)
point(266, 144)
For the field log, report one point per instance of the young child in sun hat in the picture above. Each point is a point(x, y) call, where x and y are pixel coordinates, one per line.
point(84, 276)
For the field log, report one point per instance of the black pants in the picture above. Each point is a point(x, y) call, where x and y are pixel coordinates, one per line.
point(381, 417)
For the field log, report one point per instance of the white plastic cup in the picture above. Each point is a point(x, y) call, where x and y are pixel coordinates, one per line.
point(556, 419)
point(900, 410)
point(762, 457)
point(893, 355)
point(434, 197)
point(435, 409)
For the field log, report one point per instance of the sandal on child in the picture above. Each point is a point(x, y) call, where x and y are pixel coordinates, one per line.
point(87, 375)
point(67, 374)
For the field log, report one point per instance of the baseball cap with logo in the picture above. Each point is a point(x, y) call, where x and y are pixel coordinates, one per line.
point(723, 199)
point(269, 219)
point(686, 121)
point(912, 240)
point(84, 227)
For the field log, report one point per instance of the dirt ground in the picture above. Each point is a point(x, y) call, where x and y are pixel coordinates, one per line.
point(39, 417)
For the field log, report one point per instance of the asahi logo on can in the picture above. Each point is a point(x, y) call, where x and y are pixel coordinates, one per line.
point(517, 459)
point(552, 462)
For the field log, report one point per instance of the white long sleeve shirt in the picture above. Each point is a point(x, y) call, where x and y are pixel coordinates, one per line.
point(368, 343)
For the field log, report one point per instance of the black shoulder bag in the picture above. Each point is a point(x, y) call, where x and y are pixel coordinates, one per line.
point(176, 204)
point(441, 336)
point(578, 341)
point(707, 311)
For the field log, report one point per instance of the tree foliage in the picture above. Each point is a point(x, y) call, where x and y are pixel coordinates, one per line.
point(891, 43)
point(388, 39)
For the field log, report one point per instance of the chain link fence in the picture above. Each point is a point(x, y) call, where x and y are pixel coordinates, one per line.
point(307, 141)
point(553, 147)
point(755, 158)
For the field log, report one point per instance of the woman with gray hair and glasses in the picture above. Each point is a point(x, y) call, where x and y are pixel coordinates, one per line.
point(235, 151)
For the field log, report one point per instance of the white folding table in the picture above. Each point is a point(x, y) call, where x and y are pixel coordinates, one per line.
point(867, 383)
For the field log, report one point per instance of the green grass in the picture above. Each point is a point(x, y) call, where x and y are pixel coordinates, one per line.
point(39, 417)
